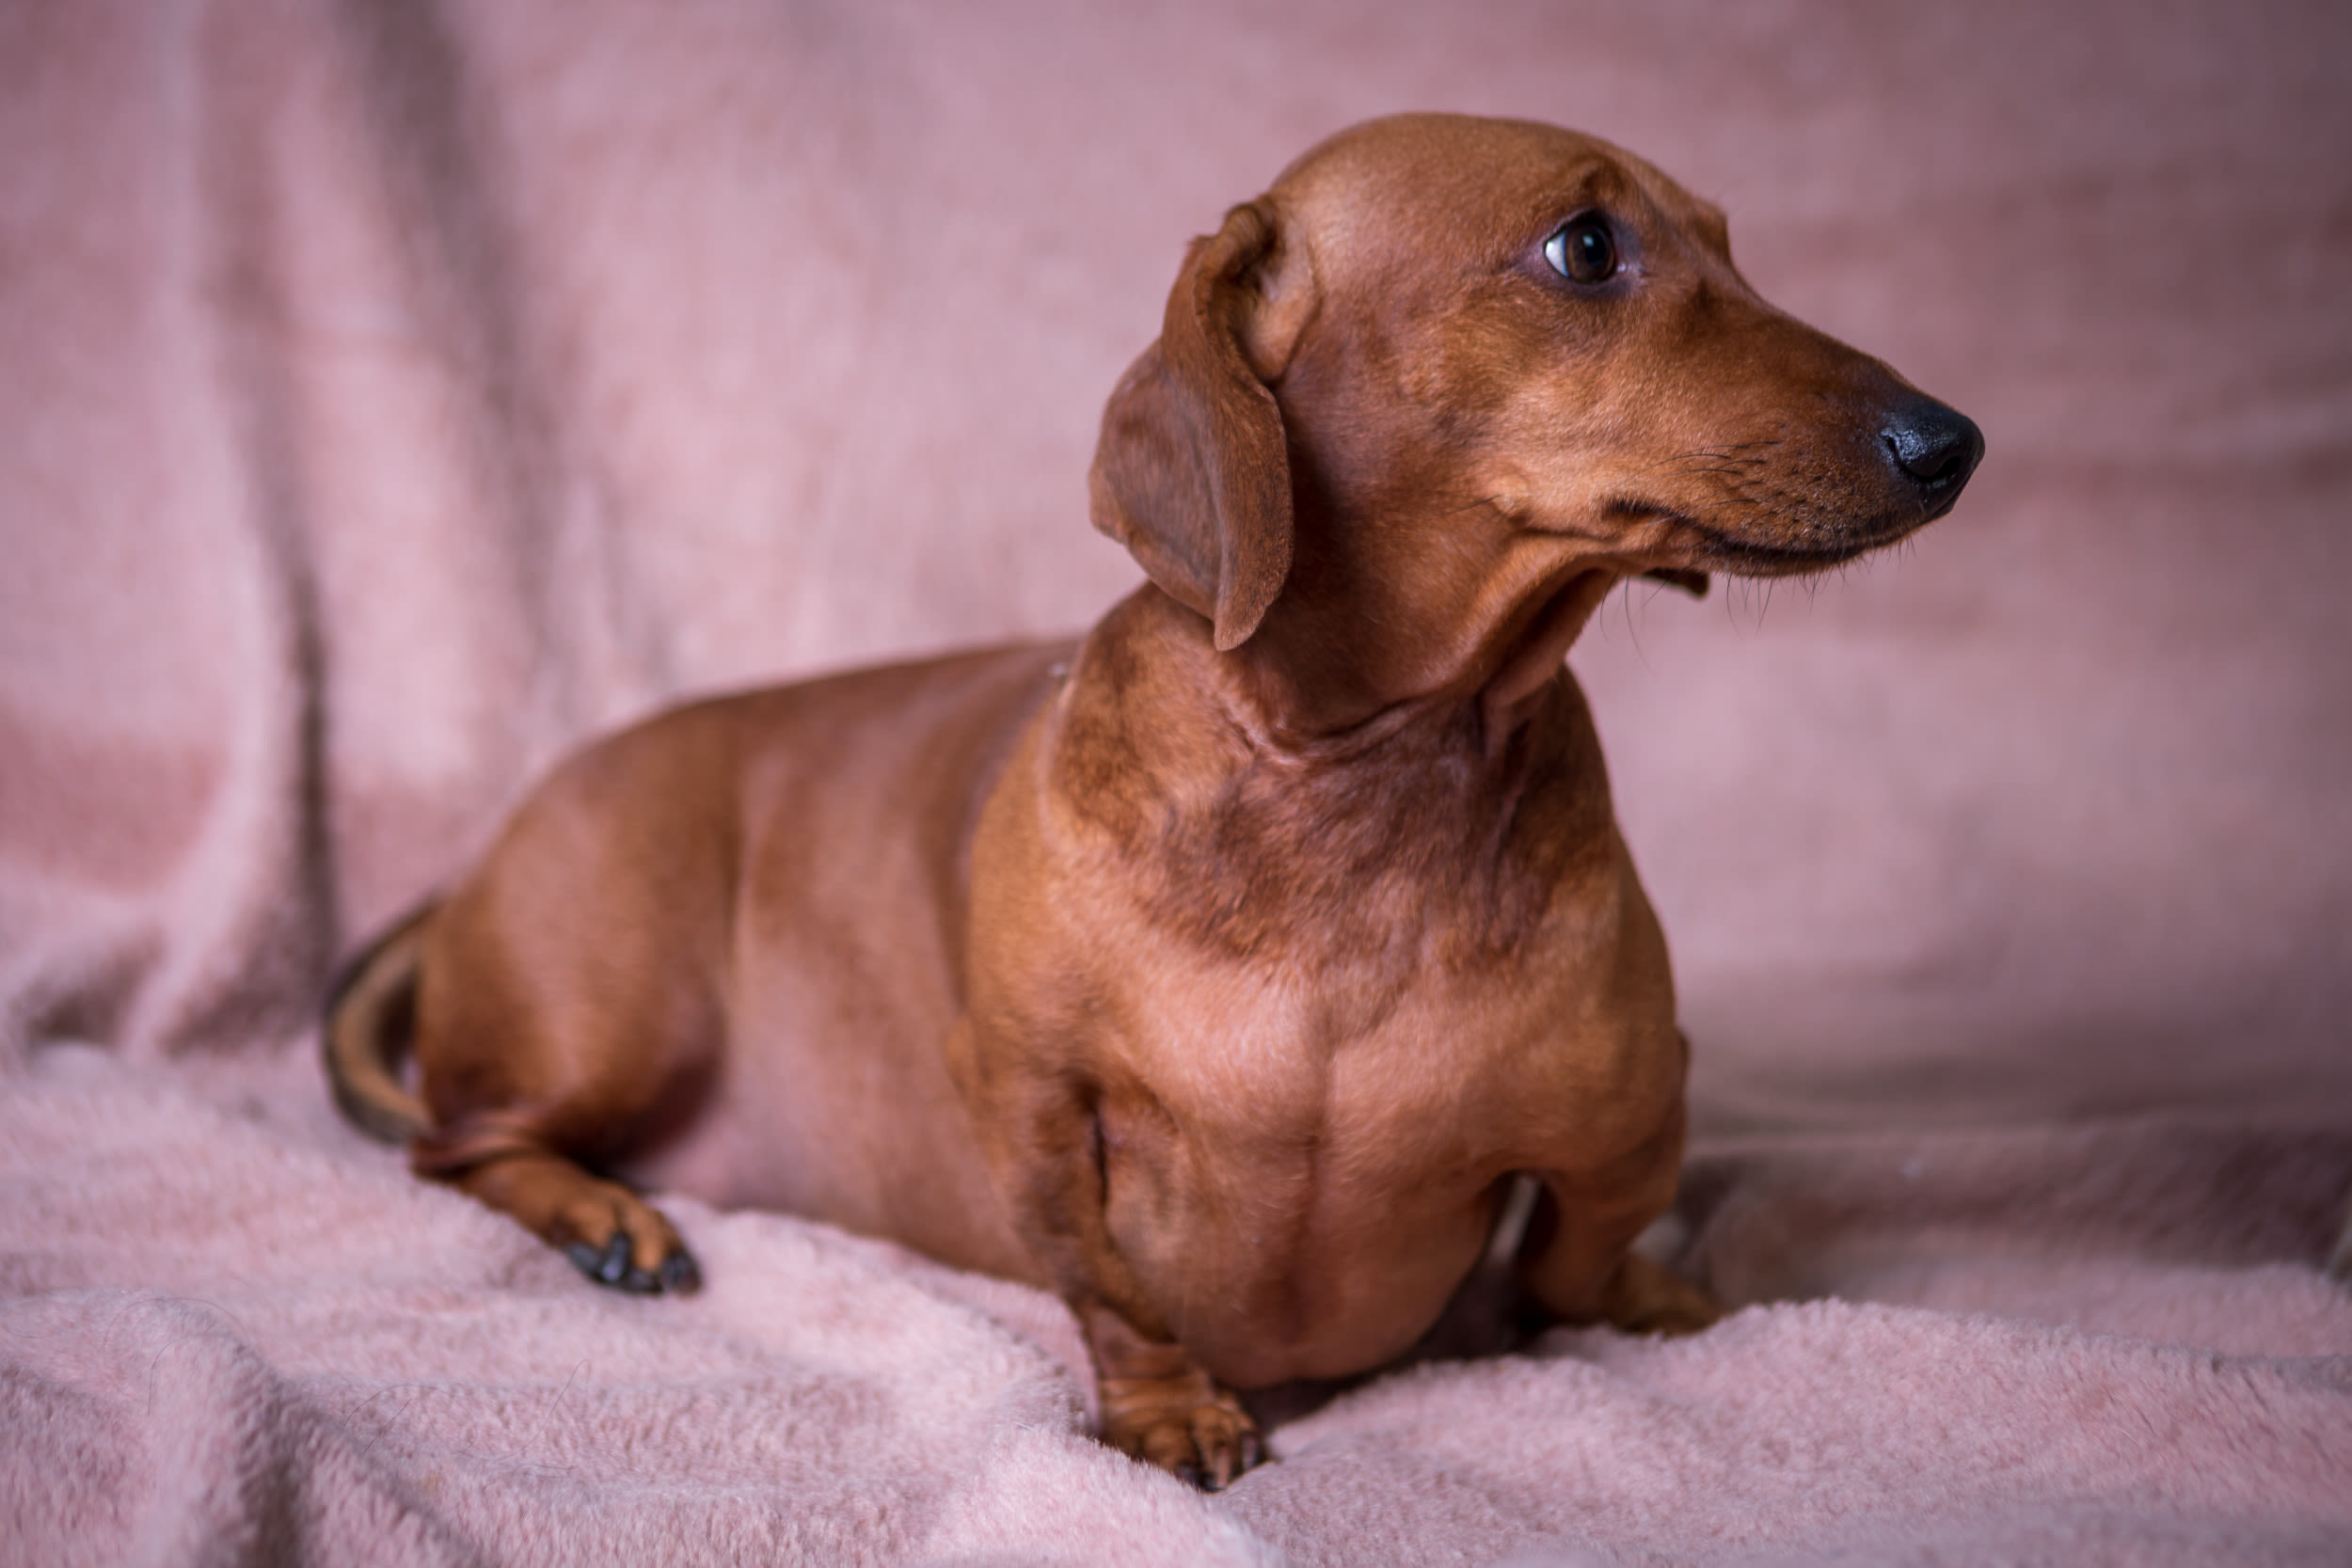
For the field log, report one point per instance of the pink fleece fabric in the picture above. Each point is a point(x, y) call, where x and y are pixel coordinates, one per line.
point(393, 395)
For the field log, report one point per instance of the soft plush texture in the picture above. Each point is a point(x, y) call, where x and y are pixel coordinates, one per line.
point(393, 394)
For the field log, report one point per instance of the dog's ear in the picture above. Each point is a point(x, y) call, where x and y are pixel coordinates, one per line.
point(1192, 473)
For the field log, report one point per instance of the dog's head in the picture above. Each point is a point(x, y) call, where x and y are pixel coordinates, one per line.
point(1448, 366)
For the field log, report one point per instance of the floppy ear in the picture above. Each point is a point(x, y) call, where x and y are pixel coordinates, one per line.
point(1192, 473)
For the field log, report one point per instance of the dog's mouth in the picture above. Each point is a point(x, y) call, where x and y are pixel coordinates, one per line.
point(1751, 557)
point(1820, 546)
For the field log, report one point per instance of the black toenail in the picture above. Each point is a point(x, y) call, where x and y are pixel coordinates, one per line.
point(587, 1260)
point(681, 1274)
point(613, 1267)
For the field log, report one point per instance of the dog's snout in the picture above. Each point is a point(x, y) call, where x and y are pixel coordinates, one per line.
point(1936, 446)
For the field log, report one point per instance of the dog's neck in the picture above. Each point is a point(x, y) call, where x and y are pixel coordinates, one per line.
point(1324, 665)
point(1172, 752)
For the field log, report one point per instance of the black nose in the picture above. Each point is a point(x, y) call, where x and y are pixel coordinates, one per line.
point(1937, 447)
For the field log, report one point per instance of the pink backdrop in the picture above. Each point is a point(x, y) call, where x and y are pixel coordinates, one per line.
point(393, 395)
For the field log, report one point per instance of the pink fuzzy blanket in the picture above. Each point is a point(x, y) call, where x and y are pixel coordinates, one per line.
point(392, 393)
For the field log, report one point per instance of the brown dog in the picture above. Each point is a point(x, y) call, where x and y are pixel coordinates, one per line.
point(1222, 971)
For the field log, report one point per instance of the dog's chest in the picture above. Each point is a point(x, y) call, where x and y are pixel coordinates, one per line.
point(1377, 1068)
point(1301, 1202)
point(1362, 988)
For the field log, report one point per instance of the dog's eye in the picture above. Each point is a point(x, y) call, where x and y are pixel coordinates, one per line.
point(1583, 250)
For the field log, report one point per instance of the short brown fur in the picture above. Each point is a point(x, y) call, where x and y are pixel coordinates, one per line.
point(1219, 971)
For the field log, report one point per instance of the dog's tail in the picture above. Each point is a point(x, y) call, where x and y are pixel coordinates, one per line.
point(371, 1021)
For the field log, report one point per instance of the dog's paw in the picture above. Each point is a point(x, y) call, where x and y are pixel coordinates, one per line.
point(677, 1274)
point(1645, 1297)
point(1189, 1426)
point(616, 1239)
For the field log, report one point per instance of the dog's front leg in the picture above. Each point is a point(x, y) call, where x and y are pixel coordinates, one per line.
point(1160, 1407)
point(1041, 1133)
point(1577, 1261)
point(1157, 1404)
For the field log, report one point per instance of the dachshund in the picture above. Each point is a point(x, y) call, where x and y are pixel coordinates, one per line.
point(1221, 970)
